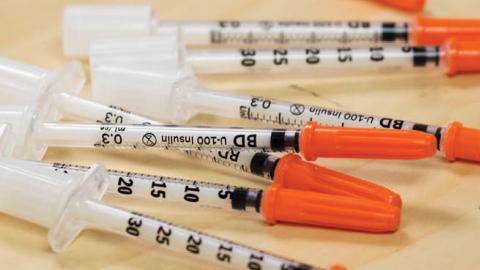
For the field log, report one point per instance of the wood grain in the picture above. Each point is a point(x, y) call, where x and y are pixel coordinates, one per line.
point(441, 219)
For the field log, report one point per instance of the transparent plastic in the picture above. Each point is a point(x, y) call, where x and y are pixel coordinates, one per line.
point(188, 95)
point(86, 23)
point(66, 203)
point(48, 201)
point(130, 86)
point(28, 81)
point(82, 23)
point(161, 53)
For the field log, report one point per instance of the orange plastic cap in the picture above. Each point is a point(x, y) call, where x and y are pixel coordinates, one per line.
point(462, 55)
point(295, 173)
point(436, 31)
point(313, 208)
point(375, 143)
point(409, 5)
point(459, 142)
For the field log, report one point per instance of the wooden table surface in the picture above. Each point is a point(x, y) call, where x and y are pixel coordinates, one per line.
point(441, 217)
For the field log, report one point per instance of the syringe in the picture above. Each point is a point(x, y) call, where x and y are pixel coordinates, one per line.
point(85, 23)
point(34, 133)
point(66, 205)
point(290, 170)
point(456, 56)
point(276, 203)
point(325, 181)
point(313, 141)
point(178, 96)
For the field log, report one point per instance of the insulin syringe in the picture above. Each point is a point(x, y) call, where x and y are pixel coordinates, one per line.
point(313, 141)
point(34, 132)
point(85, 23)
point(455, 56)
point(275, 203)
point(178, 96)
point(60, 86)
point(66, 204)
point(288, 171)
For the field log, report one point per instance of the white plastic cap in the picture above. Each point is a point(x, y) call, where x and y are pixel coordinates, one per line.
point(161, 51)
point(84, 23)
point(26, 192)
point(27, 81)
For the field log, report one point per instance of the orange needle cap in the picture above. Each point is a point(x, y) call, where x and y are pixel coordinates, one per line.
point(295, 173)
point(462, 55)
point(460, 142)
point(313, 208)
point(409, 5)
point(436, 31)
point(337, 267)
point(374, 143)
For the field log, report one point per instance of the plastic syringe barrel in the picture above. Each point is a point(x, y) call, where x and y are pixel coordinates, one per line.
point(88, 109)
point(322, 61)
point(180, 239)
point(291, 171)
point(239, 198)
point(66, 205)
point(314, 141)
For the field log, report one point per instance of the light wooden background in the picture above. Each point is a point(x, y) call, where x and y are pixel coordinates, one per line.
point(441, 219)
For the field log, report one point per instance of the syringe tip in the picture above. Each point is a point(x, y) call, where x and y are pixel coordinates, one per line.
point(460, 142)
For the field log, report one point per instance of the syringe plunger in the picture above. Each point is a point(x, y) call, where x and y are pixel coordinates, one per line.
point(48, 201)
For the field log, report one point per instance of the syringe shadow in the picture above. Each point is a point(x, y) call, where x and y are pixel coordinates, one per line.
point(111, 250)
point(417, 221)
point(276, 84)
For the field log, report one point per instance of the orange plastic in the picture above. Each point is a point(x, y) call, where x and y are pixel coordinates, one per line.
point(459, 142)
point(313, 208)
point(462, 55)
point(321, 141)
point(295, 173)
point(337, 267)
point(436, 31)
point(409, 5)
